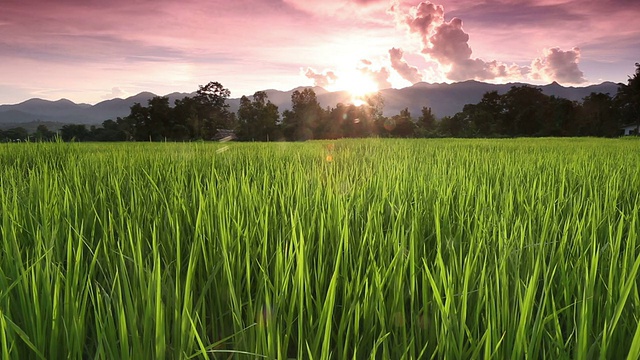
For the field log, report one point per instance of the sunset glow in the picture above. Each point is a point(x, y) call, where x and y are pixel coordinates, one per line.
point(358, 101)
point(88, 52)
point(357, 84)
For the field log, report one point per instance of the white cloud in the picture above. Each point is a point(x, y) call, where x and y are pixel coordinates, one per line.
point(558, 65)
point(379, 75)
point(447, 44)
point(323, 79)
point(409, 73)
point(116, 92)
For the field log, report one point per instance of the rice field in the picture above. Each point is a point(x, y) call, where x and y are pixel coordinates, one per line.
point(352, 249)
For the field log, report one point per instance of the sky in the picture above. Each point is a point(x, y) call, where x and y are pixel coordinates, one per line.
point(88, 51)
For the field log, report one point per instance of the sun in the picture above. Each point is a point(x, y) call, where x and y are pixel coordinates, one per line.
point(358, 101)
point(358, 85)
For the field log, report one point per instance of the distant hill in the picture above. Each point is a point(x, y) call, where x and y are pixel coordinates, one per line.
point(444, 99)
point(67, 112)
point(448, 99)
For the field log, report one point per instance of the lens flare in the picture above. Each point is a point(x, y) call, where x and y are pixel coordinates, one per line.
point(358, 102)
point(389, 124)
point(358, 84)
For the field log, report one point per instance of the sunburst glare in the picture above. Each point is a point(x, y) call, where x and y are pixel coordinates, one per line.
point(358, 85)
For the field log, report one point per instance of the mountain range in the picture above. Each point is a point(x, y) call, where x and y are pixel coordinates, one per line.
point(444, 100)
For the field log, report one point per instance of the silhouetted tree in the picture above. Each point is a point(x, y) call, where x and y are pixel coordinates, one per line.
point(400, 125)
point(15, 134)
point(43, 133)
point(301, 122)
point(126, 126)
point(160, 118)
point(257, 119)
point(490, 120)
point(426, 124)
point(187, 118)
point(525, 108)
point(213, 110)
point(598, 116)
point(562, 118)
point(110, 131)
point(140, 122)
point(74, 132)
point(331, 126)
point(448, 126)
point(628, 99)
point(375, 108)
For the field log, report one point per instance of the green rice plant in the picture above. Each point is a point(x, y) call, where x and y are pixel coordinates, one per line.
point(349, 249)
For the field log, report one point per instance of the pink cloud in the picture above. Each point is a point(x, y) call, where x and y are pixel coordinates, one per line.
point(379, 75)
point(447, 43)
point(323, 79)
point(339, 8)
point(424, 19)
point(558, 65)
point(409, 73)
point(86, 48)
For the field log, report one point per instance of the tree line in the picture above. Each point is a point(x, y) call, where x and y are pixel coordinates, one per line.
point(522, 111)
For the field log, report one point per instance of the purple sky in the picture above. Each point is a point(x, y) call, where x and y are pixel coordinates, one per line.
point(91, 50)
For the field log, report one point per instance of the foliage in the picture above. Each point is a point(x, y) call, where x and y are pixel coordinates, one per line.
point(301, 122)
point(628, 98)
point(599, 116)
point(73, 132)
point(212, 109)
point(426, 124)
point(523, 111)
point(44, 134)
point(14, 134)
point(257, 119)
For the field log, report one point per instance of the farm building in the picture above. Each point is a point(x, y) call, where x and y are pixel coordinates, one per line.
point(630, 129)
point(225, 135)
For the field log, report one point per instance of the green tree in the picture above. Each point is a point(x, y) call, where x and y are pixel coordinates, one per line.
point(160, 118)
point(490, 120)
point(332, 126)
point(213, 110)
point(187, 118)
point(451, 126)
point(257, 119)
point(484, 119)
point(74, 132)
point(302, 121)
point(139, 121)
point(375, 107)
point(525, 110)
point(15, 134)
point(426, 124)
point(109, 131)
point(598, 116)
point(43, 133)
point(628, 99)
point(401, 125)
point(125, 125)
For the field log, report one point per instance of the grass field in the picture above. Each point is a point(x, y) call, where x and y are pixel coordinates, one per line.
point(353, 249)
